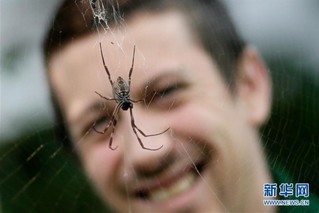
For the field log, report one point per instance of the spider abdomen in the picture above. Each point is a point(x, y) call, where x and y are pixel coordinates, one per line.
point(126, 105)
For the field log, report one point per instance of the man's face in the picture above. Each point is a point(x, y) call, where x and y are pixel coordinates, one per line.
point(211, 157)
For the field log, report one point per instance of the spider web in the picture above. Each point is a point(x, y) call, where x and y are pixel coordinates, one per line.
point(36, 174)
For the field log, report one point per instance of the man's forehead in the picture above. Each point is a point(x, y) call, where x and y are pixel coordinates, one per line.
point(118, 54)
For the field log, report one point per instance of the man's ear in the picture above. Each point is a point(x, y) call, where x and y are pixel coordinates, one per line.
point(253, 86)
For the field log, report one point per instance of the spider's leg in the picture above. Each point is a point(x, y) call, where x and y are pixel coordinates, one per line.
point(138, 138)
point(114, 122)
point(105, 67)
point(140, 131)
point(131, 70)
point(106, 98)
point(150, 135)
point(111, 137)
point(111, 121)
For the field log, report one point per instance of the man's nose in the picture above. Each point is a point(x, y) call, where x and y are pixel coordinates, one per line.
point(143, 160)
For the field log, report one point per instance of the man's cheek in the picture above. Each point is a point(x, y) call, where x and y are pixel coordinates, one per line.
point(193, 119)
point(210, 130)
point(98, 164)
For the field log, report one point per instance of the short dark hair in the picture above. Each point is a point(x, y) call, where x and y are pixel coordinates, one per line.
point(208, 19)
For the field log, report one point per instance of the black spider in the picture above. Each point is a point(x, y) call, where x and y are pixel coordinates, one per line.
point(121, 94)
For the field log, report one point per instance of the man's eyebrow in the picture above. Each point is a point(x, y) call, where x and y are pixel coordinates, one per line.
point(92, 108)
point(96, 105)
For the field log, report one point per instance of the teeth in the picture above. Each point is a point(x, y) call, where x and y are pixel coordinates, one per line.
point(180, 186)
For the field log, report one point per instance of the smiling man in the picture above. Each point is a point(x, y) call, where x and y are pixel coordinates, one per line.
point(195, 75)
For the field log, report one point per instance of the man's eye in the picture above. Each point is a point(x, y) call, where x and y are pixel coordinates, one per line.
point(166, 97)
point(101, 123)
point(167, 91)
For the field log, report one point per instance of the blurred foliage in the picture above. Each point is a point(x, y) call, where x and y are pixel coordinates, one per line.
point(36, 175)
point(291, 136)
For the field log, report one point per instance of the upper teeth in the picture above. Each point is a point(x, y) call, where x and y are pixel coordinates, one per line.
point(181, 185)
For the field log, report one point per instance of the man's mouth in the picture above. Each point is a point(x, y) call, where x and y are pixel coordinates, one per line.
point(167, 188)
point(183, 184)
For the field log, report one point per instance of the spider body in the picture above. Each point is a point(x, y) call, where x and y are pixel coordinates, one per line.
point(121, 94)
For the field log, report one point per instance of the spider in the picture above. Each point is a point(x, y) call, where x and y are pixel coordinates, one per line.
point(121, 94)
